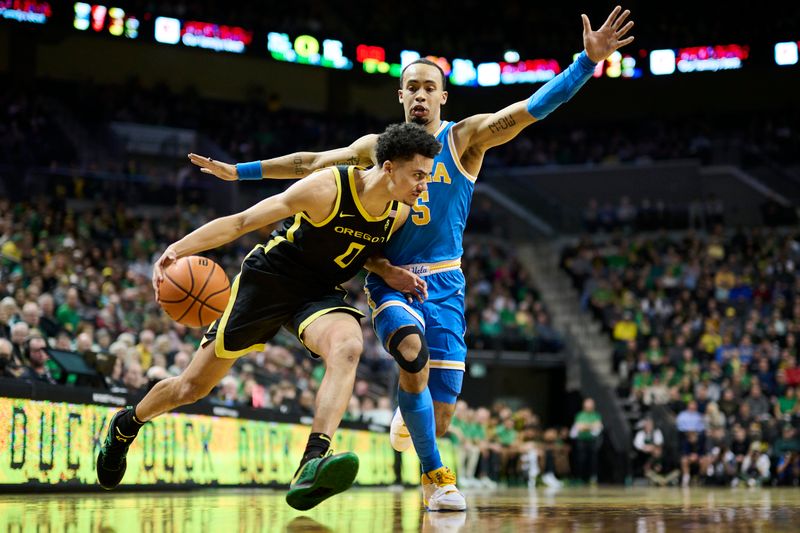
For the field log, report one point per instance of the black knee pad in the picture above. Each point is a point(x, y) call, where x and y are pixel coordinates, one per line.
point(421, 360)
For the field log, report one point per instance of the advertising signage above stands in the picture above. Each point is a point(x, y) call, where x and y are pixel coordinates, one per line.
point(698, 59)
point(331, 53)
point(216, 37)
point(205, 35)
point(32, 11)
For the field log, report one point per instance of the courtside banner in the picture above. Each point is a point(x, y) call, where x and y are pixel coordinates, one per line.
point(44, 443)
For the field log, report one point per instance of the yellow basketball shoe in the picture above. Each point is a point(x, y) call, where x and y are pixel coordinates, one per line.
point(439, 492)
point(398, 434)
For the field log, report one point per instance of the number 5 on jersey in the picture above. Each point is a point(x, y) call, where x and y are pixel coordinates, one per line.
point(421, 215)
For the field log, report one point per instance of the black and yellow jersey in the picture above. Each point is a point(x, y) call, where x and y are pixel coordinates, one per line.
point(334, 250)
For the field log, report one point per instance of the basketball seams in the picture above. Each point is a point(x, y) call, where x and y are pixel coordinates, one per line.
point(201, 291)
point(175, 283)
point(214, 294)
point(196, 299)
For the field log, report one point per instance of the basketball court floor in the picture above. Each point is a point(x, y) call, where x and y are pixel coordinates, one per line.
point(384, 510)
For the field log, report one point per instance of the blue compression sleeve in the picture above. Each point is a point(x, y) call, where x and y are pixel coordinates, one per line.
point(249, 171)
point(417, 411)
point(561, 88)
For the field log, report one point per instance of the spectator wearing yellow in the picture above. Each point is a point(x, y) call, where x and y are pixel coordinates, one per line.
point(625, 329)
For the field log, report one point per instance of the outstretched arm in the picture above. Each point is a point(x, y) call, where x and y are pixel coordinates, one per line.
point(481, 132)
point(292, 166)
point(313, 195)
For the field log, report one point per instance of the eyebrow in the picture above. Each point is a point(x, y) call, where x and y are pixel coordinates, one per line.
point(424, 81)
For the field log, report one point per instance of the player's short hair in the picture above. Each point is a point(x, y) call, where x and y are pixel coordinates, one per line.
point(423, 61)
point(401, 142)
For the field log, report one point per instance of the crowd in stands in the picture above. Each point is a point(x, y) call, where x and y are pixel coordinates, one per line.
point(503, 310)
point(652, 215)
point(705, 330)
point(263, 127)
point(514, 447)
point(24, 116)
point(80, 280)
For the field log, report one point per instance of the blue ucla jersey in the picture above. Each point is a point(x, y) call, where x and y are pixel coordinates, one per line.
point(435, 227)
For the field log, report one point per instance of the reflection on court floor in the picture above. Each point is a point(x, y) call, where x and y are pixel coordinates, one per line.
point(383, 510)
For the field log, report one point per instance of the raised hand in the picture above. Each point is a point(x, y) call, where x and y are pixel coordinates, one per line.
point(224, 171)
point(609, 37)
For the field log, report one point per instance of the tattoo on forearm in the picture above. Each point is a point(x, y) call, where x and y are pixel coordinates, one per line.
point(502, 124)
point(298, 166)
point(352, 161)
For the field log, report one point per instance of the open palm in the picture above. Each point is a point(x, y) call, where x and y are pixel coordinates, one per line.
point(607, 38)
point(224, 171)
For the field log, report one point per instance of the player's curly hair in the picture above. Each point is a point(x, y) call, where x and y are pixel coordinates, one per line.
point(401, 142)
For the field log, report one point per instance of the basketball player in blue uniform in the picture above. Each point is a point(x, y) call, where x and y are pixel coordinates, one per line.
point(426, 337)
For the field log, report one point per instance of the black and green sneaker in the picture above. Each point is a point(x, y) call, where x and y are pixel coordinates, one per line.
point(320, 478)
point(111, 462)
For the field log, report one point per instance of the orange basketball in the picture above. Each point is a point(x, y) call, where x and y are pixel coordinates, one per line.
point(194, 291)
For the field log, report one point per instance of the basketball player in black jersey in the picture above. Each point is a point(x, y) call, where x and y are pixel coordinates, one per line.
point(334, 221)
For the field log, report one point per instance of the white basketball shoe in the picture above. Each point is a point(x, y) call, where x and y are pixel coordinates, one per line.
point(398, 434)
point(439, 492)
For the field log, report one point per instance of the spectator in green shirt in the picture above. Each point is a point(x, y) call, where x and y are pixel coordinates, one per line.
point(506, 435)
point(586, 431)
point(785, 404)
point(68, 313)
point(463, 433)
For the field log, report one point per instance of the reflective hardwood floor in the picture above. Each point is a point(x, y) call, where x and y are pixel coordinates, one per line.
point(384, 510)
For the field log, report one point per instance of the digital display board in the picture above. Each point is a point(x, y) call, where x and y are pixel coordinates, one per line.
point(786, 54)
point(662, 62)
point(167, 30)
point(215, 37)
point(32, 11)
point(712, 58)
point(54, 443)
point(308, 50)
point(99, 18)
point(206, 35)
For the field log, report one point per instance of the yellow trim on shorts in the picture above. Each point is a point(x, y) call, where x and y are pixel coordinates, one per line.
point(397, 303)
point(219, 342)
point(315, 315)
point(370, 301)
point(457, 159)
point(359, 206)
point(447, 365)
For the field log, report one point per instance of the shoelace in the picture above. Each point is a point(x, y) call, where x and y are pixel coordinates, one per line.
point(445, 477)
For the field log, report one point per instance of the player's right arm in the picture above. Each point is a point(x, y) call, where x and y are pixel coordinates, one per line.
point(292, 166)
point(315, 195)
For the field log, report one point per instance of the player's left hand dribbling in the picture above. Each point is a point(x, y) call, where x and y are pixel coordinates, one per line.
point(167, 258)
